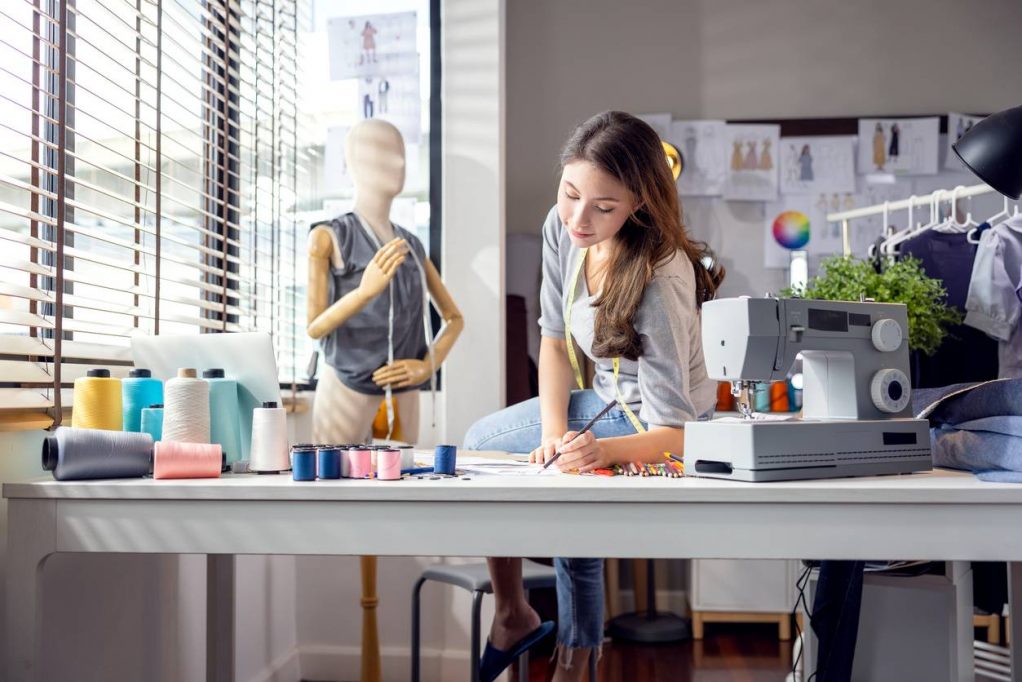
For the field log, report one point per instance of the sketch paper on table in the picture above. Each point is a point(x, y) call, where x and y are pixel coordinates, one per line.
point(957, 125)
point(393, 98)
point(701, 144)
point(661, 123)
point(794, 223)
point(817, 164)
point(901, 146)
point(751, 169)
point(372, 45)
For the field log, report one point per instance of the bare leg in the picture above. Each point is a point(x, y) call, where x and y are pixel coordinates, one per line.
point(514, 617)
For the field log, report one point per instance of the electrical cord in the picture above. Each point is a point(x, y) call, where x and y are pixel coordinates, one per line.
point(800, 585)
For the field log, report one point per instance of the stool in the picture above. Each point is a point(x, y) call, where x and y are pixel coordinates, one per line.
point(476, 579)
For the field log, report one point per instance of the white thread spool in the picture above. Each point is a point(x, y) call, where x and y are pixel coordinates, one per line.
point(269, 439)
point(186, 408)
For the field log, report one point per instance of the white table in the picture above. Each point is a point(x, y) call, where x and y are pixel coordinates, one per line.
point(940, 516)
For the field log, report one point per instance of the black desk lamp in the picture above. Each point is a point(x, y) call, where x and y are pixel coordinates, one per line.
point(992, 150)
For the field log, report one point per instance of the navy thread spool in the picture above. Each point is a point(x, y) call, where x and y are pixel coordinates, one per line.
point(444, 459)
point(77, 454)
point(138, 391)
point(328, 462)
point(303, 464)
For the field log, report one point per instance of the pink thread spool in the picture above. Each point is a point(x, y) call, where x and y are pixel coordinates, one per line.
point(172, 459)
point(388, 465)
point(360, 463)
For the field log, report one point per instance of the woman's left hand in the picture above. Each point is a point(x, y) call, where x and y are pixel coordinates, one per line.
point(402, 373)
point(583, 454)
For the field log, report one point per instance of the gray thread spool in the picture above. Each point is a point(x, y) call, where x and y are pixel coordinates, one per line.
point(75, 454)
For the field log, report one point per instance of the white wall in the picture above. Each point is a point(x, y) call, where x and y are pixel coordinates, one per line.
point(741, 59)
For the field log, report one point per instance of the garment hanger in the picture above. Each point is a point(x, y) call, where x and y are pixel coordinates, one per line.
point(885, 230)
point(951, 224)
point(973, 236)
point(889, 247)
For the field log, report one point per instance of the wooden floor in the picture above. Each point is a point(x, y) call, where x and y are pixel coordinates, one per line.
point(729, 653)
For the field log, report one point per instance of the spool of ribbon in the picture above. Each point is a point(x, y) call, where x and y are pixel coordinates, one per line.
point(76, 454)
point(138, 391)
point(388, 465)
point(360, 463)
point(303, 464)
point(445, 459)
point(328, 462)
point(186, 408)
point(269, 439)
point(152, 421)
point(172, 459)
point(224, 414)
point(97, 402)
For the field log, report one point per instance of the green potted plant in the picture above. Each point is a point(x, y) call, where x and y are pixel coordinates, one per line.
point(902, 281)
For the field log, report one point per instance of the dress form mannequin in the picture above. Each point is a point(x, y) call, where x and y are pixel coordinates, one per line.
point(375, 156)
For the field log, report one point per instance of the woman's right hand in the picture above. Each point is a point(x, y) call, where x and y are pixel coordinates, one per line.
point(546, 450)
point(382, 267)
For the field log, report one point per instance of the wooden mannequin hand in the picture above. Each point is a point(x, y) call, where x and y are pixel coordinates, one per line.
point(402, 373)
point(382, 267)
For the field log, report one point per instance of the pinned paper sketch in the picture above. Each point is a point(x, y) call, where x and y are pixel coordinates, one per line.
point(862, 232)
point(899, 146)
point(957, 125)
point(335, 168)
point(791, 224)
point(372, 45)
point(752, 171)
point(817, 164)
point(661, 123)
point(701, 144)
point(393, 98)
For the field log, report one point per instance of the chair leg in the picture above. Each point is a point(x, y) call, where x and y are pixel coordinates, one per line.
point(523, 660)
point(473, 654)
point(594, 664)
point(416, 646)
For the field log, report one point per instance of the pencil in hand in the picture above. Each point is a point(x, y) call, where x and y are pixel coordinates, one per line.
point(589, 425)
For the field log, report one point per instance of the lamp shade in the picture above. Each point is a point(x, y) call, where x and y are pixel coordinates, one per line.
point(992, 150)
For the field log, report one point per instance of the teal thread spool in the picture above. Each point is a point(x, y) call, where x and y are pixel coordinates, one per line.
point(138, 391)
point(224, 413)
point(152, 421)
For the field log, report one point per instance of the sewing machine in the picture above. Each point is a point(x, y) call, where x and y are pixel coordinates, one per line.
point(856, 418)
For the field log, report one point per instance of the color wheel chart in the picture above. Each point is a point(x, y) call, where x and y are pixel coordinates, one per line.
point(791, 229)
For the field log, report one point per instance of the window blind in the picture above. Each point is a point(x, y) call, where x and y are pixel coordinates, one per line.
point(147, 160)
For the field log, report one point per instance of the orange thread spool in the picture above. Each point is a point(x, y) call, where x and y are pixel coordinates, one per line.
point(779, 397)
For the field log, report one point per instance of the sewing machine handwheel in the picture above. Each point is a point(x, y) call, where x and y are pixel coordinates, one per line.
point(887, 335)
point(890, 390)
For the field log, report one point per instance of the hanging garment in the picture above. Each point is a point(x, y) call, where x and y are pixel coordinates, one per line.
point(992, 305)
point(966, 354)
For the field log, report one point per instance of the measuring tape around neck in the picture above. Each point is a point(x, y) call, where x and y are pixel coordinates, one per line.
point(636, 424)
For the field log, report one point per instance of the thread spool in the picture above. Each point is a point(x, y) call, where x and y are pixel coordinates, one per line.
point(172, 459)
point(186, 408)
point(303, 464)
point(224, 414)
point(761, 398)
point(779, 396)
point(78, 454)
point(138, 391)
point(97, 402)
point(345, 460)
point(725, 400)
point(152, 421)
point(445, 459)
point(407, 458)
point(268, 453)
point(360, 463)
point(328, 462)
point(388, 465)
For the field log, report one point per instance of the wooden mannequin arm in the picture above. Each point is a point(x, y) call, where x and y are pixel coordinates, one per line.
point(323, 319)
point(449, 313)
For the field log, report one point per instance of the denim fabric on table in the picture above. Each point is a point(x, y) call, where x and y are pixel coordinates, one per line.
point(977, 428)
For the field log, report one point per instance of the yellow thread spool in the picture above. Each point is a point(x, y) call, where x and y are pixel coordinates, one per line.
point(97, 402)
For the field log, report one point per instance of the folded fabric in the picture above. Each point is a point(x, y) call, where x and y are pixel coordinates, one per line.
point(976, 427)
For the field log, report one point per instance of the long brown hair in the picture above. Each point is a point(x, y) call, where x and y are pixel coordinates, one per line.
point(629, 149)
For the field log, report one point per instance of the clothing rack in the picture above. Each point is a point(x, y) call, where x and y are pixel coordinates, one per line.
point(913, 202)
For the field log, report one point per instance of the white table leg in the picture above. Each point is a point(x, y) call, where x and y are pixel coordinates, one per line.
point(1015, 607)
point(31, 538)
point(220, 618)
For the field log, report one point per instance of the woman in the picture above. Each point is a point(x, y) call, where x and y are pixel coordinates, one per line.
point(624, 281)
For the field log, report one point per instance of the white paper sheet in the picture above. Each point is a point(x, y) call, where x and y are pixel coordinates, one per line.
point(902, 146)
point(810, 165)
point(373, 45)
point(701, 144)
point(752, 167)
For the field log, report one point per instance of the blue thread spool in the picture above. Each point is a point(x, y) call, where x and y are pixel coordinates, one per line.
point(224, 413)
point(444, 459)
point(152, 421)
point(138, 391)
point(329, 462)
point(761, 397)
point(303, 464)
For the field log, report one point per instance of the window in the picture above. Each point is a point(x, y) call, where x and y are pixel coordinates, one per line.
point(148, 183)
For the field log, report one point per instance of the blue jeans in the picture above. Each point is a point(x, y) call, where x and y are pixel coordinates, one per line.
point(579, 581)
